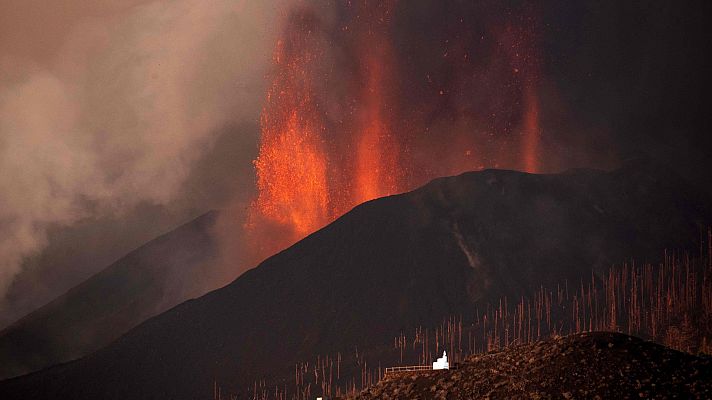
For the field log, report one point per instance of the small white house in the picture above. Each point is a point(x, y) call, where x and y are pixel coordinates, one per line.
point(441, 363)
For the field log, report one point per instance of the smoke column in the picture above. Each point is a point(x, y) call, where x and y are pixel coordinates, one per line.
point(118, 108)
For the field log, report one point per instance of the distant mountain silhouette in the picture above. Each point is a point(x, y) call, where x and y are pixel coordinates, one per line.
point(386, 266)
point(149, 280)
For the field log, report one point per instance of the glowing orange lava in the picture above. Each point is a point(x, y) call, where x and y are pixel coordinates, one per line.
point(377, 171)
point(531, 129)
point(522, 51)
point(304, 182)
point(332, 136)
point(292, 175)
point(371, 147)
point(292, 165)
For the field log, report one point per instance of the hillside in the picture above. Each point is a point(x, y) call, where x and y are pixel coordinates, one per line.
point(587, 365)
point(151, 279)
point(388, 265)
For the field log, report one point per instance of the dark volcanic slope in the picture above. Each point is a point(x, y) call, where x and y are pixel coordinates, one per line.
point(388, 265)
point(151, 279)
point(582, 366)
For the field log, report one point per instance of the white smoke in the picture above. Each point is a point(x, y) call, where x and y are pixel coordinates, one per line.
point(122, 112)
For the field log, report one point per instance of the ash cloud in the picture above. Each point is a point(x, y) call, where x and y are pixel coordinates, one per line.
point(113, 108)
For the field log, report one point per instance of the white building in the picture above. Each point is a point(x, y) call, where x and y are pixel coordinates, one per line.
point(441, 363)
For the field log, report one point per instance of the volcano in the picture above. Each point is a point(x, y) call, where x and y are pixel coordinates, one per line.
point(144, 283)
point(390, 264)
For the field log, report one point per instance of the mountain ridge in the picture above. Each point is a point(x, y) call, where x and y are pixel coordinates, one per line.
point(389, 264)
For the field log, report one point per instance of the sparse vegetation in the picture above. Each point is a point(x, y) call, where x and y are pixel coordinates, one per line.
point(585, 365)
point(669, 303)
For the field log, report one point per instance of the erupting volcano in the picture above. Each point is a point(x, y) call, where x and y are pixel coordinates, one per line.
point(343, 122)
point(292, 167)
point(325, 198)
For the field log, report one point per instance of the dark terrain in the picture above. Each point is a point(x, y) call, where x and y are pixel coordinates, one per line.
point(388, 265)
point(144, 283)
point(581, 366)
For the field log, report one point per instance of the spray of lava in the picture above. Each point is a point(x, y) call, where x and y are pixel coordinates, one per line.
point(338, 128)
point(293, 165)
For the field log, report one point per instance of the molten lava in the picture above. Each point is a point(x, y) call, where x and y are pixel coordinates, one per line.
point(340, 127)
point(292, 174)
point(377, 170)
point(531, 124)
point(292, 166)
point(303, 180)
point(531, 129)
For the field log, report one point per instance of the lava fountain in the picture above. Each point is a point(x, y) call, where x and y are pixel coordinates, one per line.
point(292, 166)
point(304, 179)
point(339, 126)
point(377, 170)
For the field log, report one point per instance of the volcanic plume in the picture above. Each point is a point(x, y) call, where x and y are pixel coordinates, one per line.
point(347, 119)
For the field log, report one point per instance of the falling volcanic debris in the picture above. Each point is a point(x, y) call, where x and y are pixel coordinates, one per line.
point(292, 166)
point(342, 125)
point(377, 149)
point(522, 52)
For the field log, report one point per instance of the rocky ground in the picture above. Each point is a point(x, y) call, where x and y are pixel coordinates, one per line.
point(582, 366)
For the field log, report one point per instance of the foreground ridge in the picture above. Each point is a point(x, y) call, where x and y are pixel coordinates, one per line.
point(596, 365)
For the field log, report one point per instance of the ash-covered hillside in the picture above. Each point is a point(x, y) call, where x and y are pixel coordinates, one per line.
point(151, 279)
point(582, 366)
point(389, 265)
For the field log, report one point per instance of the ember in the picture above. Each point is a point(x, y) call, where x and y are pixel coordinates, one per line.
point(339, 126)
